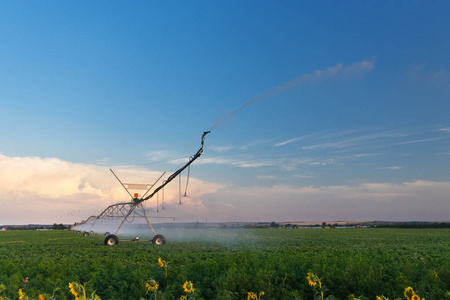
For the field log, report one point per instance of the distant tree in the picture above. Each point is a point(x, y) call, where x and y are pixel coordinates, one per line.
point(59, 226)
point(324, 224)
point(274, 225)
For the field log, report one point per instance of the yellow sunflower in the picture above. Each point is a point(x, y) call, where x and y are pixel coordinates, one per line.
point(188, 287)
point(21, 295)
point(409, 293)
point(312, 280)
point(72, 290)
point(152, 285)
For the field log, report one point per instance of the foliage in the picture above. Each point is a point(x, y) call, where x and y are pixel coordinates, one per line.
point(373, 263)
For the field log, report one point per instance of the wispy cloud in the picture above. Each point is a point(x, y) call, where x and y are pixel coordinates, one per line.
point(445, 129)
point(444, 153)
point(161, 155)
point(343, 143)
point(254, 144)
point(221, 148)
point(366, 154)
point(391, 168)
point(422, 140)
point(243, 163)
point(420, 71)
point(289, 141)
point(304, 176)
point(265, 177)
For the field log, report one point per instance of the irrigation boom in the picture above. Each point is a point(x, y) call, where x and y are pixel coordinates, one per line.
point(125, 209)
point(177, 172)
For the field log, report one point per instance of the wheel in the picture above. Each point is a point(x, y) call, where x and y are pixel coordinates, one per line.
point(136, 239)
point(159, 239)
point(85, 234)
point(111, 240)
point(107, 233)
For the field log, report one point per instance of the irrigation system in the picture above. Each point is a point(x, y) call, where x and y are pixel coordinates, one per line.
point(134, 208)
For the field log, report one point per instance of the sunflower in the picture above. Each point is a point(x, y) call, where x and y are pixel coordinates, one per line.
point(409, 293)
point(40, 297)
point(21, 295)
point(152, 286)
point(188, 287)
point(415, 297)
point(312, 280)
point(161, 262)
point(72, 290)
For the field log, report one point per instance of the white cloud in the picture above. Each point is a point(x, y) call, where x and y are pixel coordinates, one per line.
point(289, 141)
point(444, 153)
point(304, 176)
point(253, 144)
point(366, 154)
point(422, 140)
point(265, 177)
point(359, 67)
point(243, 163)
point(221, 148)
point(50, 190)
point(420, 72)
point(158, 156)
point(391, 168)
point(417, 200)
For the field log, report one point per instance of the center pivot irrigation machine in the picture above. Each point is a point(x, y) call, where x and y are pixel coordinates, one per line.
point(125, 209)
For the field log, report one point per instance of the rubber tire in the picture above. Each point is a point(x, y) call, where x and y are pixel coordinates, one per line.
point(85, 234)
point(159, 240)
point(111, 240)
point(107, 233)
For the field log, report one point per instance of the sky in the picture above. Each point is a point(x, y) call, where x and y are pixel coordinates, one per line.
point(318, 111)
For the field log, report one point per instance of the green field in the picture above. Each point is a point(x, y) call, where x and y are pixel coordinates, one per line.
point(229, 263)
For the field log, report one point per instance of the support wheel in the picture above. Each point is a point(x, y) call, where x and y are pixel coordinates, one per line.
point(107, 233)
point(85, 234)
point(111, 240)
point(159, 239)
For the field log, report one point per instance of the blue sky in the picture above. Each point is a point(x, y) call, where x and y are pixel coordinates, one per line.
point(356, 127)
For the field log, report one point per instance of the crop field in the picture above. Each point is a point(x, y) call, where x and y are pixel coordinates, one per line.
point(228, 264)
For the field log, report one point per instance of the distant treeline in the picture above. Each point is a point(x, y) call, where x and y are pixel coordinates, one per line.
point(36, 226)
point(413, 225)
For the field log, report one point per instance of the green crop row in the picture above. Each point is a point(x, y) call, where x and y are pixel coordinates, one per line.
point(230, 263)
